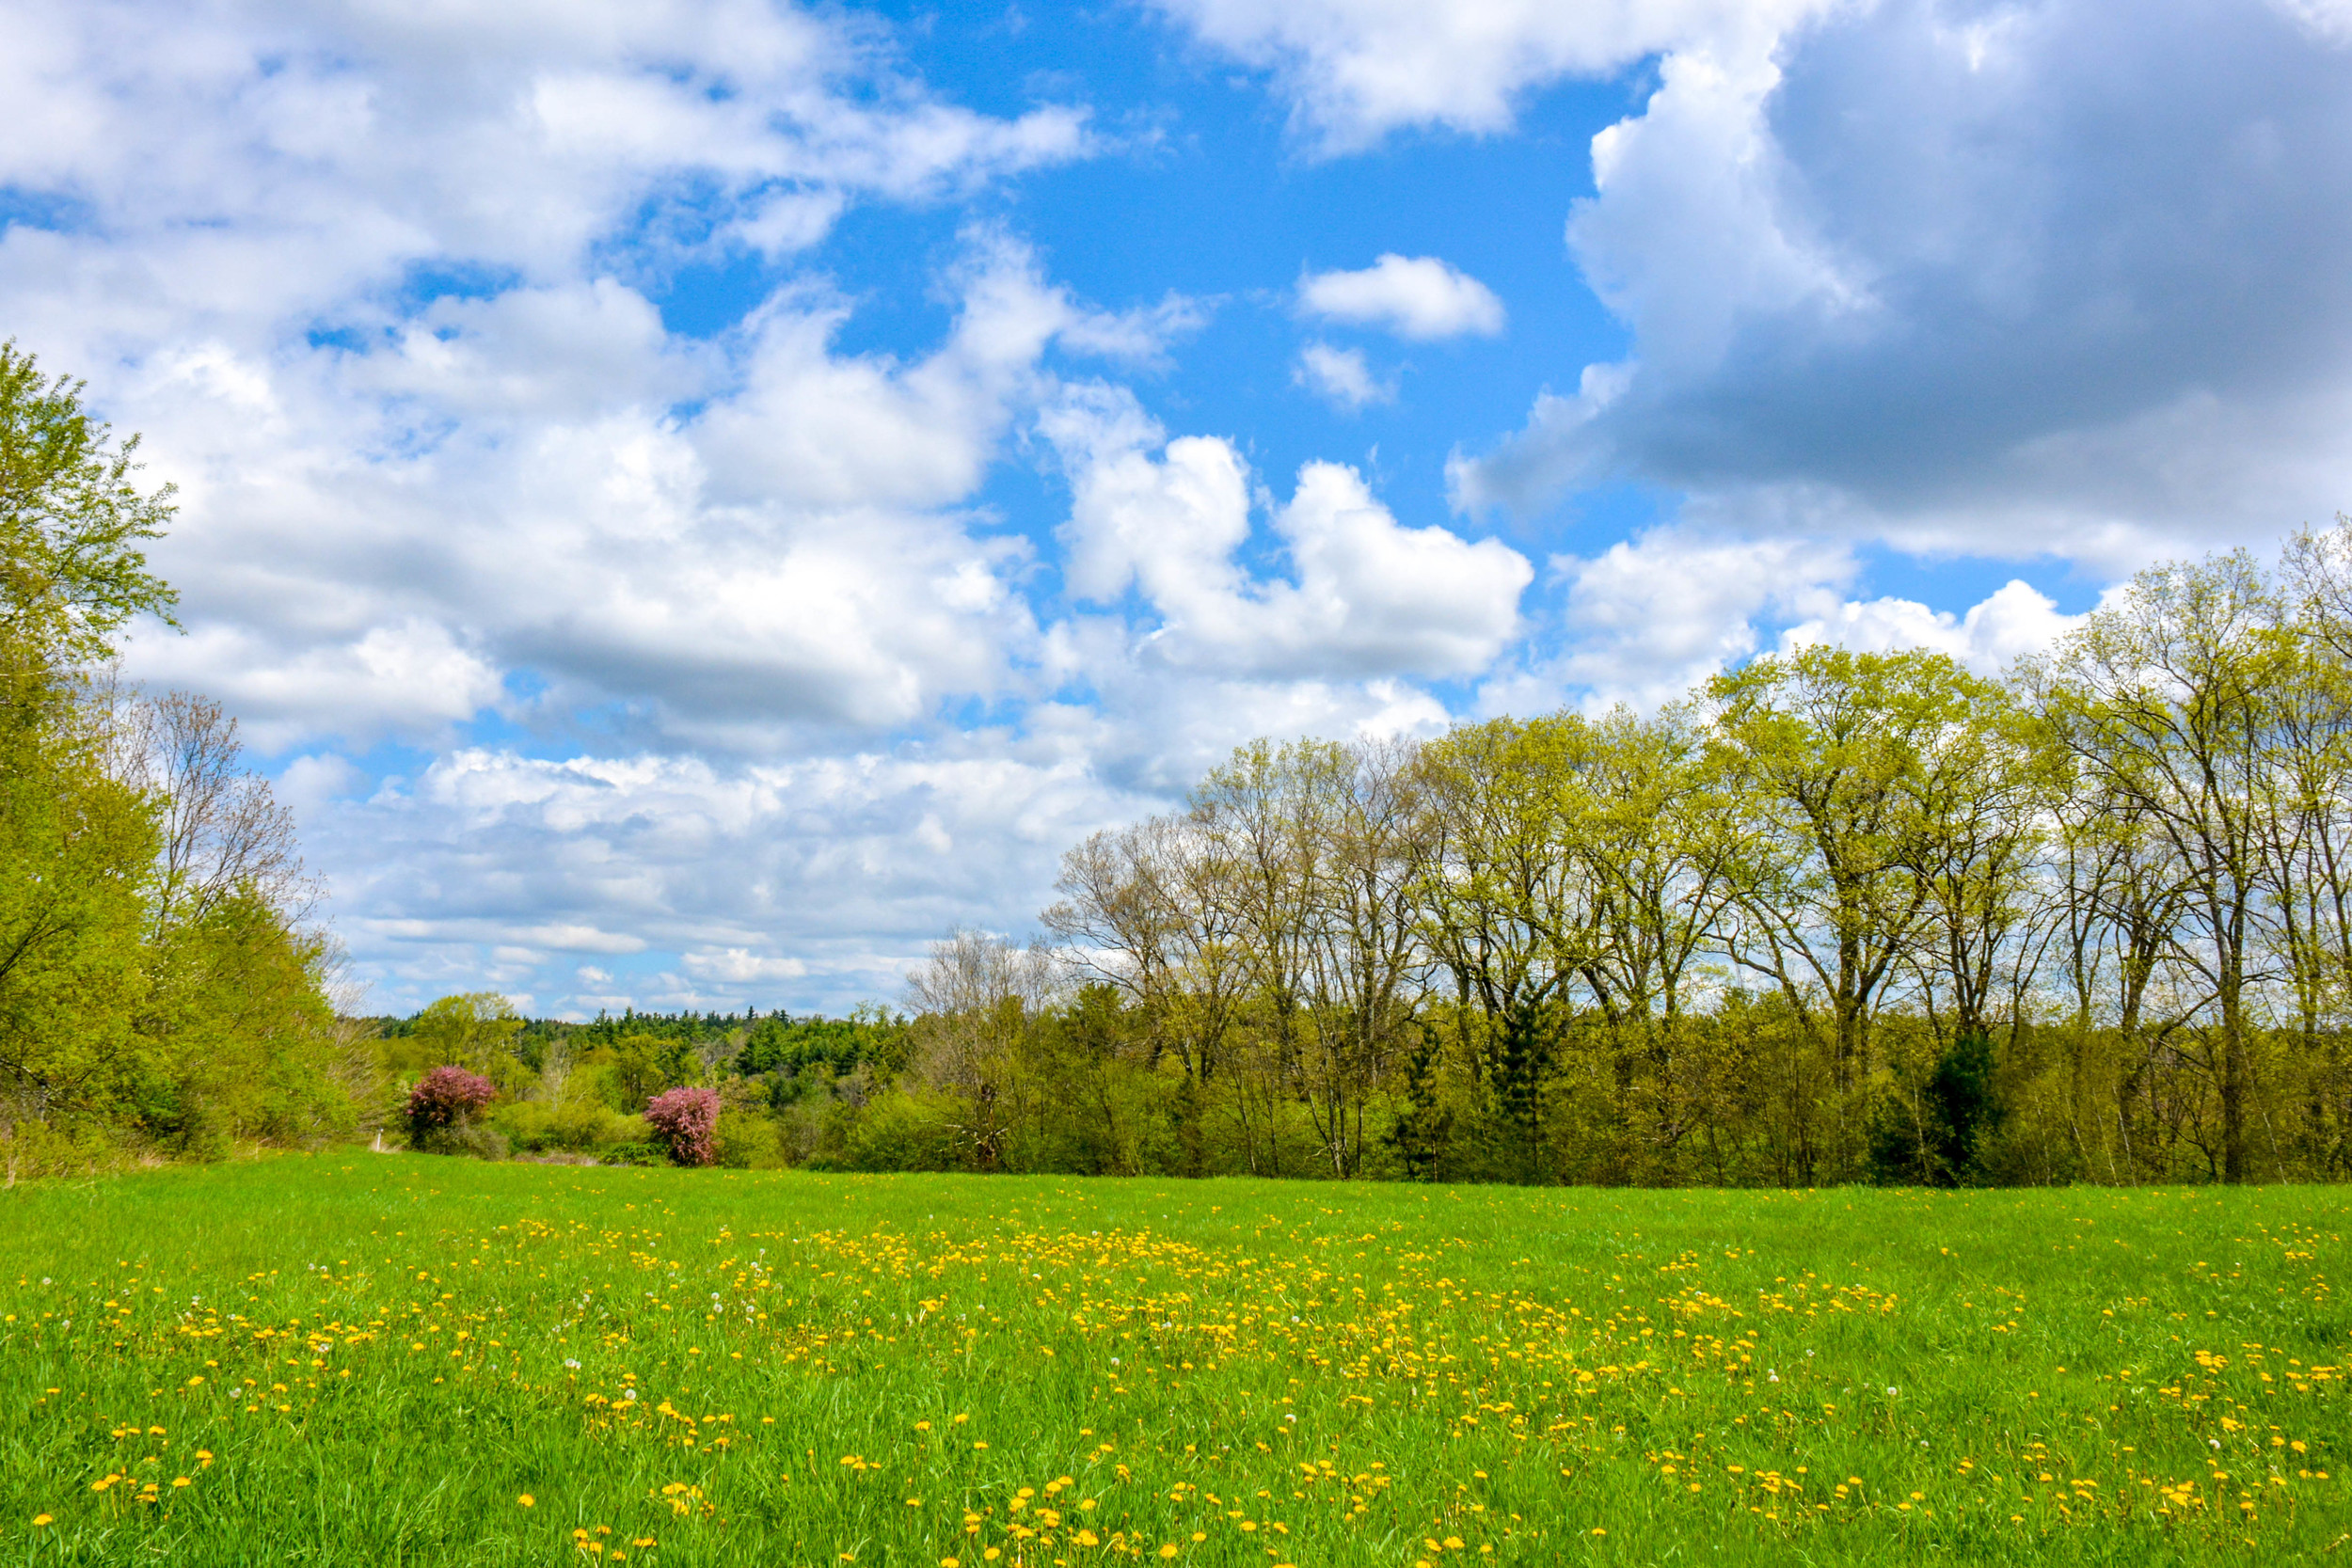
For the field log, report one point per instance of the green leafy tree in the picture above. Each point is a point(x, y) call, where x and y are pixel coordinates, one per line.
point(1833, 756)
point(72, 521)
point(1506, 907)
point(78, 854)
point(2163, 700)
point(476, 1031)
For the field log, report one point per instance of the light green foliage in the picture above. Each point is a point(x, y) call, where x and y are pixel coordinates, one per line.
point(371, 1358)
point(1844, 768)
point(72, 519)
point(475, 1031)
point(157, 986)
point(76, 856)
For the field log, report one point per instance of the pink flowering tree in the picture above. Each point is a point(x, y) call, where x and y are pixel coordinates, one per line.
point(447, 1096)
point(685, 1120)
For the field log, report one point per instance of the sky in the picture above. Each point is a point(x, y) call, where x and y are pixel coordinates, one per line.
point(690, 501)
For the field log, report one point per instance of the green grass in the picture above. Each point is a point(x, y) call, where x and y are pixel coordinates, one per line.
point(377, 1354)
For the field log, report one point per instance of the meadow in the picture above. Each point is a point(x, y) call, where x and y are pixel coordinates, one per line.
point(362, 1357)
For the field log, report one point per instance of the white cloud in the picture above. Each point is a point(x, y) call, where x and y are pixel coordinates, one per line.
point(1649, 618)
point(741, 966)
point(1341, 377)
point(372, 540)
point(1371, 597)
point(2014, 621)
point(1413, 296)
point(1355, 70)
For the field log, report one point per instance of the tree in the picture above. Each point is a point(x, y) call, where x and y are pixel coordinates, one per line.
point(1145, 909)
point(1505, 905)
point(2162, 698)
point(72, 521)
point(76, 871)
point(980, 998)
point(476, 1031)
point(1837, 759)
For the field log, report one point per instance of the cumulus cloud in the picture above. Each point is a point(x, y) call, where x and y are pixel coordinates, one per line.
point(741, 966)
point(2015, 620)
point(1341, 377)
point(1413, 296)
point(1355, 70)
point(710, 669)
point(2044, 279)
point(1650, 617)
point(1370, 597)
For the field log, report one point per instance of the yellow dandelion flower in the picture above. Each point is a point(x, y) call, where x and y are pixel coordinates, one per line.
point(42, 1519)
point(528, 1500)
point(1165, 1551)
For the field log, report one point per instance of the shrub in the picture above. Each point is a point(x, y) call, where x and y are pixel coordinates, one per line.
point(446, 1098)
point(578, 1126)
point(483, 1142)
point(684, 1120)
point(903, 1131)
point(747, 1141)
point(632, 1155)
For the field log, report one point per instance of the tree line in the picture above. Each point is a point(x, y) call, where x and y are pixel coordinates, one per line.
point(164, 989)
point(1835, 916)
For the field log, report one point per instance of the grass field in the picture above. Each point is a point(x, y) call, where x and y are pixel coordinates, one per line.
point(367, 1358)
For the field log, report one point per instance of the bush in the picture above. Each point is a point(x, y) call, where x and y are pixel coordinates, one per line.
point(578, 1126)
point(903, 1131)
point(685, 1120)
point(633, 1154)
point(447, 1096)
point(462, 1138)
point(745, 1140)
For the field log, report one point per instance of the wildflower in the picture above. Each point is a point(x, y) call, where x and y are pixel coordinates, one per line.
point(42, 1519)
point(528, 1500)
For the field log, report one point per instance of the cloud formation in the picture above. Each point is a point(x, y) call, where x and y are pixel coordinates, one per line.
point(612, 659)
point(1340, 376)
point(1369, 599)
point(2044, 279)
point(1355, 70)
point(1414, 296)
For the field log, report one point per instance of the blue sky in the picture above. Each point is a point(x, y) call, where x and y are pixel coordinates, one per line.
point(689, 500)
